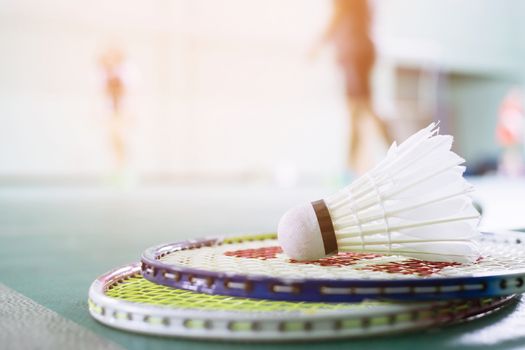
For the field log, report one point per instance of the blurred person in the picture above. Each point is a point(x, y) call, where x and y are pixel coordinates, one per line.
point(349, 31)
point(113, 62)
point(510, 131)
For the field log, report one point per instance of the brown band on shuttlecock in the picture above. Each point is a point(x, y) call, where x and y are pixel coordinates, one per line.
point(326, 226)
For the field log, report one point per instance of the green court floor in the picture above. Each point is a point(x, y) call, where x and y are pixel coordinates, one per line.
point(52, 246)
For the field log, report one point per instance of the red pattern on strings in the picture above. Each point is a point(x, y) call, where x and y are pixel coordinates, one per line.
point(412, 267)
point(263, 253)
point(408, 267)
point(339, 260)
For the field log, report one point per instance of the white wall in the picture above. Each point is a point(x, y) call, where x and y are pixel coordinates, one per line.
point(225, 88)
point(477, 45)
point(222, 87)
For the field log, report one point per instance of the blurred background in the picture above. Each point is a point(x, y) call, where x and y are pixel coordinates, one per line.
point(203, 115)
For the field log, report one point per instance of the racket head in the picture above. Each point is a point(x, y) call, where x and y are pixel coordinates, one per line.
point(252, 266)
point(123, 299)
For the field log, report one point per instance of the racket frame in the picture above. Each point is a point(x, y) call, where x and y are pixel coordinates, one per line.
point(274, 326)
point(326, 290)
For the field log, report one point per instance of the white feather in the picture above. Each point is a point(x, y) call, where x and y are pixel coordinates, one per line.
point(414, 203)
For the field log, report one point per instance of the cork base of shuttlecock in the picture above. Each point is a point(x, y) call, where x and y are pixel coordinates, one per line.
point(299, 234)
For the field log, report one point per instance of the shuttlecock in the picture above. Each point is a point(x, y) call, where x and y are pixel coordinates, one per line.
point(414, 203)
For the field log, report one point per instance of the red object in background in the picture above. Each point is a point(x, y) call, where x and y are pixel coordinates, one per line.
point(511, 120)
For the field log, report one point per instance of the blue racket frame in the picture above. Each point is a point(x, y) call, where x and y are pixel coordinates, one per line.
point(324, 290)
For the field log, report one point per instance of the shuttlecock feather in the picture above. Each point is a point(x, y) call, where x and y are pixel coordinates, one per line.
point(414, 203)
